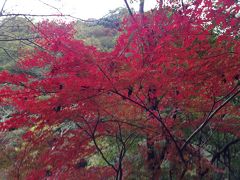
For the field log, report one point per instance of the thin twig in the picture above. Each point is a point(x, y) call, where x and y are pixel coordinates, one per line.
point(49, 5)
point(3, 7)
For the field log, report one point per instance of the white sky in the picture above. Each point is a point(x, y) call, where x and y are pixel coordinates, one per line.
point(83, 9)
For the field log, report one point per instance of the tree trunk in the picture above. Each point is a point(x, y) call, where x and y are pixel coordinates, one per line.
point(153, 160)
point(141, 7)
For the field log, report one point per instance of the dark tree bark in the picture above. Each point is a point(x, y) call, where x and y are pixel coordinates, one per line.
point(141, 7)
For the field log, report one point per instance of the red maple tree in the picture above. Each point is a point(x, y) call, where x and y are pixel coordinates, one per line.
point(173, 74)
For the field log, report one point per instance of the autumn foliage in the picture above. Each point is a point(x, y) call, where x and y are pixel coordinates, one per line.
point(172, 76)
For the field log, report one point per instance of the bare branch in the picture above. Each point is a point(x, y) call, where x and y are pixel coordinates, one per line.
point(215, 156)
point(208, 118)
point(18, 39)
point(128, 7)
point(3, 7)
point(49, 5)
point(7, 53)
point(101, 153)
point(158, 119)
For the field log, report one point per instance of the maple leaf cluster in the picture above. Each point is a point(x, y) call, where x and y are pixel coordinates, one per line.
point(173, 73)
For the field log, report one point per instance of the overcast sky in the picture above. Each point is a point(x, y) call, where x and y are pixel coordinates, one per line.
point(80, 8)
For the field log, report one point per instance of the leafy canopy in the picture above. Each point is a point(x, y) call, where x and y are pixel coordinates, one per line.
point(173, 74)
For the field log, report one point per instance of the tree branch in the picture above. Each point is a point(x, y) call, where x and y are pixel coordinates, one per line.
point(215, 156)
point(208, 118)
point(141, 7)
point(158, 119)
point(128, 7)
point(3, 7)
